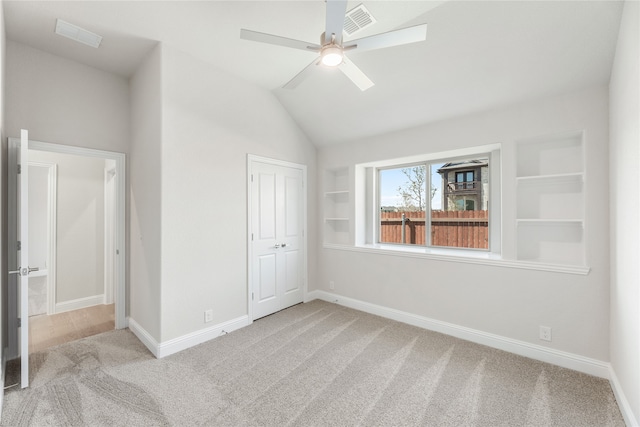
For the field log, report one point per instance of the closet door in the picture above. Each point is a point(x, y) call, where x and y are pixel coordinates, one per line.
point(277, 244)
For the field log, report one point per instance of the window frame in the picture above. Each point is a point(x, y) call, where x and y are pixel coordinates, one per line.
point(429, 164)
point(367, 202)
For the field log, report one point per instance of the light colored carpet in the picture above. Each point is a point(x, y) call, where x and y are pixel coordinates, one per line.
point(315, 364)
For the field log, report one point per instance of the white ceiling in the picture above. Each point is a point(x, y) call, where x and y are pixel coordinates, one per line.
point(478, 54)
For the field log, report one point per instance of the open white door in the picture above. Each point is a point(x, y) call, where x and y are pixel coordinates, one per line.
point(23, 279)
point(18, 256)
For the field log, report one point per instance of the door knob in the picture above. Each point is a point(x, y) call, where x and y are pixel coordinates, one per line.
point(24, 271)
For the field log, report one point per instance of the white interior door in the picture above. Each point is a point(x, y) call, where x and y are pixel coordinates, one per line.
point(277, 237)
point(18, 256)
point(23, 279)
point(110, 246)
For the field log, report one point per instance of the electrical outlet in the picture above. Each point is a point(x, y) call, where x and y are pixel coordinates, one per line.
point(545, 333)
point(332, 285)
point(208, 316)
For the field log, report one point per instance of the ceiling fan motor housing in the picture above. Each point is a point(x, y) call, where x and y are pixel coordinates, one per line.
point(331, 53)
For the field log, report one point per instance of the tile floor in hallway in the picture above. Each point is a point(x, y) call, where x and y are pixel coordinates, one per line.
point(48, 331)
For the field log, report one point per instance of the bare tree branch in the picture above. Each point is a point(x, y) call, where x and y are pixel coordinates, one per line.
point(413, 191)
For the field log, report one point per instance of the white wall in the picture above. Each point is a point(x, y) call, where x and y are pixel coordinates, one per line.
point(3, 156)
point(38, 216)
point(504, 301)
point(80, 224)
point(211, 121)
point(625, 209)
point(145, 195)
point(64, 102)
point(38, 233)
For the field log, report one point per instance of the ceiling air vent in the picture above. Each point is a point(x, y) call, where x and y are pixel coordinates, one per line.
point(357, 19)
point(78, 34)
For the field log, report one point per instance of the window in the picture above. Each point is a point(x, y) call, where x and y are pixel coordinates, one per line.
point(439, 203)
point(403, 205)
point(464, 180)
point(464, 204)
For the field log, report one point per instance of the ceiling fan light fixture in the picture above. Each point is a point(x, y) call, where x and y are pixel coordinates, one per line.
point(332, 56)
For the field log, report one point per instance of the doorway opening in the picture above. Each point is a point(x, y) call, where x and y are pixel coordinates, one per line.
point(69, 223)
point(71, 247)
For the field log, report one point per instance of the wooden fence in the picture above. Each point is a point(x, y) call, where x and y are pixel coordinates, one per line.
point(462, 229)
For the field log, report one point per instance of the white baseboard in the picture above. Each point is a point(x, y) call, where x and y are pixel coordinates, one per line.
point(144, 336)
point(556, 357)
point(184, 342)
point(79, 303)
point(623, 403)
point(198, 337)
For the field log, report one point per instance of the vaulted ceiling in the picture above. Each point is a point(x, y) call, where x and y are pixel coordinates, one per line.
point(478, 54)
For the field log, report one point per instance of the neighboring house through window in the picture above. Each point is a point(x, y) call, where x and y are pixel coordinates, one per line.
point(440, 203)
point(465, 185)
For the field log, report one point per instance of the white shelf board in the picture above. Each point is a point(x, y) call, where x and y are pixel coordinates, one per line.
point(579, 269)
point(549, 221)
point(337, 192)
point(336, 219)
point(555, 177)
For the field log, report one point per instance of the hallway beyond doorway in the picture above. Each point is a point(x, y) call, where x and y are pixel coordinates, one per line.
point(48, 331)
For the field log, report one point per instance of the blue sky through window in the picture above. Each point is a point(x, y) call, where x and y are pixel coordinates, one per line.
point(391, 179)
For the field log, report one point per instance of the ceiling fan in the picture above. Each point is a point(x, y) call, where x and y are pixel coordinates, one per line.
point(332, 49)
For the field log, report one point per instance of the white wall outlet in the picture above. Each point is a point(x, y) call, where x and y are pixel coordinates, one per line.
point(208, 315)
point(332, 285)
point(545, 333)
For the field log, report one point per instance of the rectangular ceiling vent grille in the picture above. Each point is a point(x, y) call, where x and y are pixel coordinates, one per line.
point(78, 34)
point(357, 19)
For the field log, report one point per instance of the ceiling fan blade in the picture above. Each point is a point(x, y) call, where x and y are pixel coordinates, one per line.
point(277, 40)
point(407, 35)
point(294, 82)
point(355, 74)
point(336, 10)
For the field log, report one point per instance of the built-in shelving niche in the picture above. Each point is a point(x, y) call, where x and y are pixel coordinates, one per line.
point(550, 199)
point(337, 206)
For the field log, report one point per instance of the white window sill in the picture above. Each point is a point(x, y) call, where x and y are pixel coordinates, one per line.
point(458, 255)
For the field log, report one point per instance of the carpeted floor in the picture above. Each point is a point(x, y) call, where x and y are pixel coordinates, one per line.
point(315, 364)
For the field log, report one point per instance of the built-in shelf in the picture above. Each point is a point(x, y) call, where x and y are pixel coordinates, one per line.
point(337, 200)
point(548, 221)
point(550, 155)
point(576, 176)
point(550, 200)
